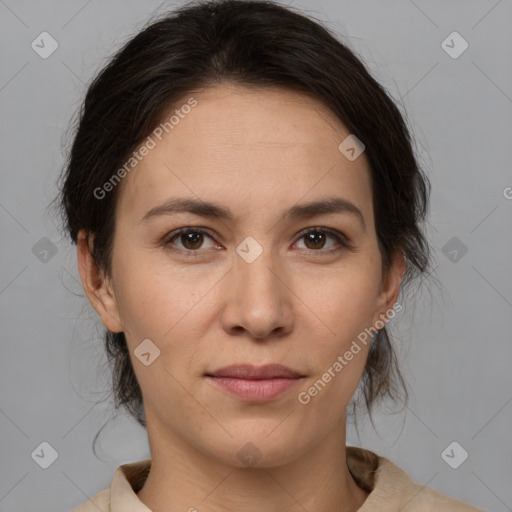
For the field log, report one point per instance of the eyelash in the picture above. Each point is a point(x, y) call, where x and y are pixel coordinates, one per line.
point(339, 237)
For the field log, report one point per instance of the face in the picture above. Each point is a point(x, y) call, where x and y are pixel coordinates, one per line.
point(270, 282)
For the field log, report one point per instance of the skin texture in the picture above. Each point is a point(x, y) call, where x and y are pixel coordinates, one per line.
point(257, 152)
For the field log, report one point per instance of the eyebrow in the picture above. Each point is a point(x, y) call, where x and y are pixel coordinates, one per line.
point(212, 210)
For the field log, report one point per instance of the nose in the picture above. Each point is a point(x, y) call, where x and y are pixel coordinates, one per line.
point(258, 302)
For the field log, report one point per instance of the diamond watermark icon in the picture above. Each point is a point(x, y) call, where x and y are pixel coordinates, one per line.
point(44, 250)
point(45, 455)
point(454, 455)
point(351, 147)
point(44, 45)
point(249, 454)
point(146, 352)
point(249, 249)
point(454, 249)
point(454, 45)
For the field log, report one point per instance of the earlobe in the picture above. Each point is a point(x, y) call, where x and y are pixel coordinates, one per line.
point(390, 288)
point(97, 287)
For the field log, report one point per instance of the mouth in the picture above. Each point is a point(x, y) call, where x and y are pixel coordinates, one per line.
point(250, 372)
point(255, 384)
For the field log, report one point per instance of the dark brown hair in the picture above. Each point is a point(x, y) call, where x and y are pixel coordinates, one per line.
point(256, 44)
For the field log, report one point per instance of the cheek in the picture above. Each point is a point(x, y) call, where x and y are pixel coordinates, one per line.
point(345, 305)
point(170, 306)
point(344, 301)
point(149, 296)
point(325, 397)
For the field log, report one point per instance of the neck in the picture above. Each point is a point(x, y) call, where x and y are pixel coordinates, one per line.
point(185, 479)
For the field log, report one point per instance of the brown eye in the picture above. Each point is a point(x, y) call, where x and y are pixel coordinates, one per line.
point(187, 241)
point(316, 238)
point(191, 240)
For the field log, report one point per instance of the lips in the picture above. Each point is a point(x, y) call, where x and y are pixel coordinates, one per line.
point(250, 372)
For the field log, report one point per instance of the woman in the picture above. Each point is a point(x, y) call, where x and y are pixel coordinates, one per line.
point(247, 208)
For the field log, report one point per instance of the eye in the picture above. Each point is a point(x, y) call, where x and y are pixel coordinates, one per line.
point(316, 237)
point(191, 239)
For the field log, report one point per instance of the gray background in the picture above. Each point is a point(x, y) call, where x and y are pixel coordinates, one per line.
point(454, 341)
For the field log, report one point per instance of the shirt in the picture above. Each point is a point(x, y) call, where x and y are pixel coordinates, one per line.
point(390, 488)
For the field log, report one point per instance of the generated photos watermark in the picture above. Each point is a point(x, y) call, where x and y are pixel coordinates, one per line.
point(149, 144)
point(304, 397)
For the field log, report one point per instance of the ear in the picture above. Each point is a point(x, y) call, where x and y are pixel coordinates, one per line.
point(97, 287)
point(390, 287)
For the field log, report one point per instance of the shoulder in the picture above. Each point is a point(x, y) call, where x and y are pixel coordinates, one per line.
point(100, 502)
point(121, 495)
point(425, 499)
point(391, 489)
point(414, 497)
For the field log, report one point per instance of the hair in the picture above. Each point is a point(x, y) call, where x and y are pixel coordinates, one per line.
point(255, 44)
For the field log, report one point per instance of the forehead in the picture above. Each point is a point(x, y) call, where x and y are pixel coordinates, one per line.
point(246, 144)
point(239, 117)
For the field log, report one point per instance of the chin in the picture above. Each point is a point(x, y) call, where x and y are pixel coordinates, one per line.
point(257, 450)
